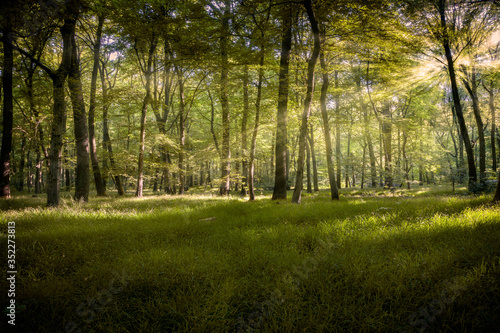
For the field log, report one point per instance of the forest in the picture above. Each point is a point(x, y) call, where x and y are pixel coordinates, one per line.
point(250, 165)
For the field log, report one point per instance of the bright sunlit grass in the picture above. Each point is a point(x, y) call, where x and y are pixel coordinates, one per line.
point(375, 261)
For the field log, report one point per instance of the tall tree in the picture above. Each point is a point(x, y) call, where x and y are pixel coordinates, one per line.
point(8, 109)
point(146, 66)
point(471, 84)
point(244, 134)
point(297, 192)
point(224, 101)
point(82, 177)
point(58, 77)
point(106, 85)
point(182, 130)
point(334, 192)
point(98, 181)
point(281, 126)
point(491, 105)
point(310, 139)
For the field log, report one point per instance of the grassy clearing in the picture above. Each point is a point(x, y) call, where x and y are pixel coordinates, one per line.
point(414, 260)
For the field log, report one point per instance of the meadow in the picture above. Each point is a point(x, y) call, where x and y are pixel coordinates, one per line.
point(423, 260)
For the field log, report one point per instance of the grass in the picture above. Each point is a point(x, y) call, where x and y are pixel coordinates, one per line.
point(418, 260)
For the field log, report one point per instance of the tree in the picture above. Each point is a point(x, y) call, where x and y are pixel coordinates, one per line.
point(334, 192)
point(281, 126)
point(98, 181)
point(297, 192)
point(224, 101)
point(8, 108)
point(445, 28)
point(58, 78)
point(82, 179)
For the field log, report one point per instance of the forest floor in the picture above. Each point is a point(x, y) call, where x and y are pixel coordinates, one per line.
point(424, 260)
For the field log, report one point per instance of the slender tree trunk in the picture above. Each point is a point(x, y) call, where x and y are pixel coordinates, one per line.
point(386, 126)
point(348, 157)
point(337, 131)
point(38, 173)
point(472, 90)
point(98, 181)
point(237, 161)
point(368, 137)
point(142, 138)
point(38, 135)
point(67, 179)
point(406, 165)
point(456, 98)
point(363, 166)
point(8, 112)
point(21, 163)
point(326, 129)
point(82, 178)
point(314, 161)
point(106, 139)
point(224, 101)
point(161, 120)
point(244, 134)
point(182, 131)
point(281, 126)
point(29, 162)
point(308, 168)
point(253, 143)
point(491, 104)
point(297, 192)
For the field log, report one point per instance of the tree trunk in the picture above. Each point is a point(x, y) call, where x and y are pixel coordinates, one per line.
point(29, 162)
point(386, 126)
point(56, 141)
point(147, 70)
point(21, 163)
point(491, 104)
point(38, 173)
point(8, 112)
point(281, 126)
point(326, 129)
point(314, 162)
point(308, 168)
point(471, 88)
point(363, 166)
point(224, 101)
point(368, 138)
point(82, 178)
point(161, 119)
point(182, 131)
point(58, 127)
point(347, 162)
point(244, 136)
point(337, 131)
point(38, 135)
point(67, 179)
point(456, 98)
point(406, 165)
point(253, 143)
point(98, 181)
point(106, 139)
point(297, 192)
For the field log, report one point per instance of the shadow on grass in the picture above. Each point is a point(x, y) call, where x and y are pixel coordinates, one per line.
point(374, 267)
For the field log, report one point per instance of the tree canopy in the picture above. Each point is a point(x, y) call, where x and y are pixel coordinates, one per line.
point(233, 95)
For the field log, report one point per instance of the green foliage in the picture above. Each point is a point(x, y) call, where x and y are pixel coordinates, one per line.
point(198, 263)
